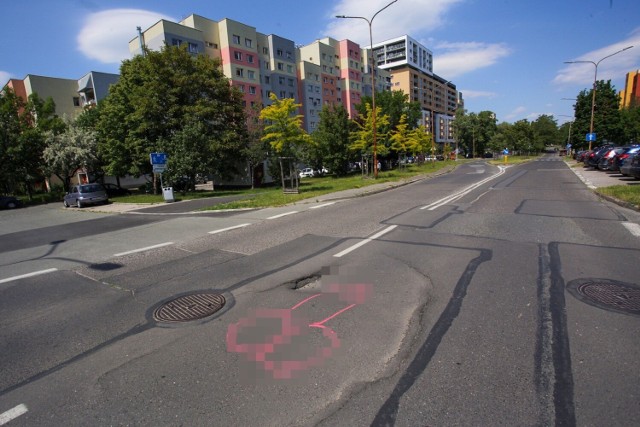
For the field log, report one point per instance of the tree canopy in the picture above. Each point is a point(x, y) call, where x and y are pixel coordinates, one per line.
point(163, 100)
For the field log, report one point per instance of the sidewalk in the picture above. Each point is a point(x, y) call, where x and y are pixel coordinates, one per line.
point(191, 206)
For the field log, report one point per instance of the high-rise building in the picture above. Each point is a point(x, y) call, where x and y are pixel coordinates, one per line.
point(410, 66)
point(630, 96)
point(63, 92)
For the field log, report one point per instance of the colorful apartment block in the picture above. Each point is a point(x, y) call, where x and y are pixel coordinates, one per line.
point(63, 92)
point(630, 96)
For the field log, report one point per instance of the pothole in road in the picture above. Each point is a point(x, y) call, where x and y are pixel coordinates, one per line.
point(189, 307)
point(607, 294)
point(304, 282)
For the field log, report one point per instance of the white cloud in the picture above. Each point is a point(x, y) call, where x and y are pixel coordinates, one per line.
point(410, 17)
point(105, 35)
point(608, 69)
point(515, 113)
point(477, 94)
point(4, 78)
point(455, 59)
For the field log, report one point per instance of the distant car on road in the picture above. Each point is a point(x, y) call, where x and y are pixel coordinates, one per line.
point(9, 202)
point(114, 190)
point(85, 194)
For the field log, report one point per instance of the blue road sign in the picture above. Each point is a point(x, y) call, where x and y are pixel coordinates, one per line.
point(591, 137)
point(158, 158)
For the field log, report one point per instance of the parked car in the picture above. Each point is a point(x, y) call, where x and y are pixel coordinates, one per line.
point(9, 202)
point(594, 156)
point(85, 194)
point(306, 173)
point(634, 169)
point(628, 152)
point(608, 158)
point(114, 190)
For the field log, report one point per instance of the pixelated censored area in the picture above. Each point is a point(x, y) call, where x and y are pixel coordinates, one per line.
point(280, 344)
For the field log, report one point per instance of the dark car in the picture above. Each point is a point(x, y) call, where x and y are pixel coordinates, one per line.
point(608, 158)
point(634, 168)
point(85, 194)
point(114, 190)
point(9, 202)
point(628, 152)
point(594, 156)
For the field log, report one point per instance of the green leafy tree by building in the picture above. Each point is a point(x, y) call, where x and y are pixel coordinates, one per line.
point(67, 152)
point(362, 137)
point(159, 99)
point(607, 122)
point(333, 139)
point(283, 132)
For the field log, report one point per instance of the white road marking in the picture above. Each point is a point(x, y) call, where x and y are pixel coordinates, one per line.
point(13, 413)
point(283, 214)
point(365, 241)
point(23, 276)
point(322, 206)
point(228, 228)
point(464, 191)
point(160, 245)
point(633, 228)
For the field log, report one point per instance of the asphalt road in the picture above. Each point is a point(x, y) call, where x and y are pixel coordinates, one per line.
point(467, 299)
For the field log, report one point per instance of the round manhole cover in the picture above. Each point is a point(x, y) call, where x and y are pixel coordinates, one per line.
point(607, 294)
point(189, 307)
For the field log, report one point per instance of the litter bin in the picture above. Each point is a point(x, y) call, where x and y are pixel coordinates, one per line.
point(167, 193)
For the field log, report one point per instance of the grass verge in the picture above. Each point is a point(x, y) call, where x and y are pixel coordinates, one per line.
point(627, 193)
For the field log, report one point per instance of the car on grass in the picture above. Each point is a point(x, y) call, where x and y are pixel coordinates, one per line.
point(306, 173)
point(10, 202)
point(85, 194)
point(114, 190)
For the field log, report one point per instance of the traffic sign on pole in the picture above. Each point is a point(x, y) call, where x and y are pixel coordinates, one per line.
point(158, 158)
point(591, 136)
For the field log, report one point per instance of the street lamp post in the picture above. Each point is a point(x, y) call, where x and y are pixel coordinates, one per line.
point(373, 82)
point(595, 78)
point(570, 125)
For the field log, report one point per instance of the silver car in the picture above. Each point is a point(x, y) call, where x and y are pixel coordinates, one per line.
point(85, 194)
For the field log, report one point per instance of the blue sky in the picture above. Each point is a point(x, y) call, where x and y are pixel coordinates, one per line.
point(504, 55)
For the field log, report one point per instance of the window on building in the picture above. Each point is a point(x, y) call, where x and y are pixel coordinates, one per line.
point(283, 94)
point(291, 95)
point(236, 39)
point(250, 59)
point(281, 80)
point(76, 101)
point(310, 88)
point(267, 79)
point(193, 48)
point(240, 72)
point(265, 50)
point(237, 55)
point(280, 66)
point(248, 42)
point(289, 55)
point(252, 90)
point(279, 52)
point(241, 87)
point(289, 69)
point(251, 74)
point(290, 81)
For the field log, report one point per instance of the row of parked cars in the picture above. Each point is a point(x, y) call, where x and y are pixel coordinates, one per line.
point(625, 159)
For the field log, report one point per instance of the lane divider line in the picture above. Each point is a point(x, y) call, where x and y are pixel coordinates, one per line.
point(365, 241)
point(160, 245)
point(322, 206)
point(13, 413)
point(228, 228)
point(633, 228)
point(282, 214)
point(23, 276)
point(464, 191)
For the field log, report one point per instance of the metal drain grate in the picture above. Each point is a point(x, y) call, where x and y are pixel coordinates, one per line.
point(607, 294)
point(189, 307)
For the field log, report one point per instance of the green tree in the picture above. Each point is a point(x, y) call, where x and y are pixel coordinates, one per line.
point(522, 136)
point(332, 137)
point(421, 141)
point(22, 127)
point(283, 131)
point(545, 131)
point(607, 123)
point(401, 141)
point(256, 150)
point(630, 118)
point(362, 137)
point(161, 98)
point(66, 152)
